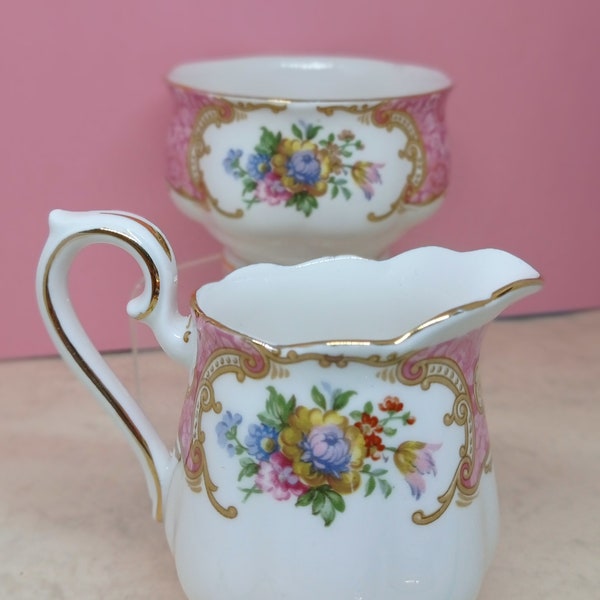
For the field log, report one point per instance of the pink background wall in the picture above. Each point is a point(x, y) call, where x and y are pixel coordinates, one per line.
point(85, 111)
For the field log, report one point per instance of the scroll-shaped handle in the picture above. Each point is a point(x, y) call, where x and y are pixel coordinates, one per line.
point(70, 232)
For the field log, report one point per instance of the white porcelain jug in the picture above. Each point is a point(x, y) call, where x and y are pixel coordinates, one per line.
point(333, 441)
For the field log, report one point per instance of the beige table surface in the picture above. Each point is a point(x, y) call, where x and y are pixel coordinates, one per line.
point(75, 518)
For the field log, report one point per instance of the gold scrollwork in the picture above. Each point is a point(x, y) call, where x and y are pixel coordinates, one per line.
point(219, 113)
point(447, 372)
point(222, 361)
point(383, 115)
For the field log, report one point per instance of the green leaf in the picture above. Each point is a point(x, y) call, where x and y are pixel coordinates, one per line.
point(306, 498)
point(249, 469)
point(346, 154)
point(290, 406)
point(331, 138)
point(312, 131)
point(269, 420)
point(347, 193)
point(278, 410)
point(385, 487)
point(267, 417)
point(327, 513)
point(319, 502)
point(370, 487)
point(405, 417)
point(336, 499)
point(268, 142)
point(249, 491)
point(378, 472)
point(249, 202)
point(356, 415)
point(297, 131)
point(368, 408)
point(318, 398)
point(324, 502)
point(249, 186)
point(390, 431)
point(366, 468)
point(303, 202)
point(335, 191)
point(341, 399)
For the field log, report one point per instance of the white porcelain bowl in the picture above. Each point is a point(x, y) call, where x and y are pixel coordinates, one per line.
point(285, 159)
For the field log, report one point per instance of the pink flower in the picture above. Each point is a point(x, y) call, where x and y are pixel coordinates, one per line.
point(276, 476)
point(415, 459)
point(365, 174)
point(271, 190)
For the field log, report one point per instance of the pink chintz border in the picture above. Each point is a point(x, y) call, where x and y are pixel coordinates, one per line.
point(428, 112)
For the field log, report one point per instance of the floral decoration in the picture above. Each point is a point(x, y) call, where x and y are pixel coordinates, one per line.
point(295, 171)
point(317, 454)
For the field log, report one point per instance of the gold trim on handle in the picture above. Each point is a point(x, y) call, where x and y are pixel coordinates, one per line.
point(85, 367)
point(158, 236)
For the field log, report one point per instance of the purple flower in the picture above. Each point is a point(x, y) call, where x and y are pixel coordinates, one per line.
point(261, 441)
point(327, 450)
point(365, 174)
point(304, 167)
point(414, 460)
point(232, 162)
point(258, 166)
point(227, 432)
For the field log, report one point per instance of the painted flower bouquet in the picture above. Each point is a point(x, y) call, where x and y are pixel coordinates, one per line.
point(317, 454)
point(295, 171)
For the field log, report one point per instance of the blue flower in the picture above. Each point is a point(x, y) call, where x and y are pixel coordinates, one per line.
point(304, 167)
point(261, 441)
point(258, 166)
point(227, 431)
point(327, 450)
point(232, 162)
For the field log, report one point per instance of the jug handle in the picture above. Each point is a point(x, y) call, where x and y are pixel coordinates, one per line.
point(156, 306)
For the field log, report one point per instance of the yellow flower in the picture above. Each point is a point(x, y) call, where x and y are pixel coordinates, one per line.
point(325, 449)
point(302, 166)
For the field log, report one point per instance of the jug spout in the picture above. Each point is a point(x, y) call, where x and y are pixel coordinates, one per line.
point(475, 286)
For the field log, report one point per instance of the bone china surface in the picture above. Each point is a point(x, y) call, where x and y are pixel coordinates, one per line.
point(332, 441)
point(285, 159)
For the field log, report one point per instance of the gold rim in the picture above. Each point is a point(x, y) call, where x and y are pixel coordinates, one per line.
point(276, 348)
point(291, 100)
point(223, 61)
